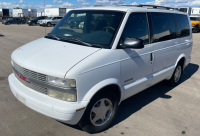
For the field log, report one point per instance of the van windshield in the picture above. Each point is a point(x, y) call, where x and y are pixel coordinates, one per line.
point(92, 27)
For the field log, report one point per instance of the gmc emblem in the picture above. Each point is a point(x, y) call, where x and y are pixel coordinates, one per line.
point(23, 78)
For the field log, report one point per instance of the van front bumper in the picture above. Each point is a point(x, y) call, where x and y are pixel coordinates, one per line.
point(54, 108)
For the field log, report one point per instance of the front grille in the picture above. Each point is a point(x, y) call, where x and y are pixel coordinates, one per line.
point(30, 74)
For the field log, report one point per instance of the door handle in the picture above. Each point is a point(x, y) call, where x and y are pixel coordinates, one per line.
point(152, 58)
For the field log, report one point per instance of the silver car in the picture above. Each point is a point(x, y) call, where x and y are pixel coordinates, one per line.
point(49, 21)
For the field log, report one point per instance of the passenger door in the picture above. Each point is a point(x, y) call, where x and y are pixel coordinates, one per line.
point(136, 64)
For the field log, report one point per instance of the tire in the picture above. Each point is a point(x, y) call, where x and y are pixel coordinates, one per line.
point(87, 122)
point(8, 23)
point(48, 24)
point(33, 24)
point(177, 76)
point(196, 29)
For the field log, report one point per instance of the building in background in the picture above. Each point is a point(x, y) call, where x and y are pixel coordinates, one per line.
point(50, 12)
point(20, 12)
point(32, 12)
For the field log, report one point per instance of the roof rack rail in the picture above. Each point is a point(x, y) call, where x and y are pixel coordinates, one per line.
point(98, 5)
point(128, 5)
point(157, 7)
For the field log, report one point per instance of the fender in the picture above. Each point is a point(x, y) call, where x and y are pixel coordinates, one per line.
point(101, 85)
point(179, 58)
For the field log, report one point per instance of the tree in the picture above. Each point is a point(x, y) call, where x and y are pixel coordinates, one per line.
point(17, 8)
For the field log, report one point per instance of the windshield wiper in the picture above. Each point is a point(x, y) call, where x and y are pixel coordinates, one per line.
point(75, 40)
point(53, 35)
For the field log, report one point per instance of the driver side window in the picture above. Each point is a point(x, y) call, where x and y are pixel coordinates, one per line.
point(136, 27)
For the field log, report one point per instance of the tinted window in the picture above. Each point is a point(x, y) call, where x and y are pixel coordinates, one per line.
point(183, 10)
point(59, 17)
point(182, 25)
point(194, 18)
point(164, 27)
point(136, 27)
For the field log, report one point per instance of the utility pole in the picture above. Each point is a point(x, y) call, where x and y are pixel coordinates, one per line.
point(44, 15)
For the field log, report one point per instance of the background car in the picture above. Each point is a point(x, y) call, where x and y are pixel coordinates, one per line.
point(195, 21)
point(13, 21)
point(49, 21)
point(34, 21)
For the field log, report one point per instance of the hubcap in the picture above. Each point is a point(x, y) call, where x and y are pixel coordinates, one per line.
point(177, 74)
point(101, 112)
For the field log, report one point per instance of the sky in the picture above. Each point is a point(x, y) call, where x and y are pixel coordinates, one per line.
point(39, 4)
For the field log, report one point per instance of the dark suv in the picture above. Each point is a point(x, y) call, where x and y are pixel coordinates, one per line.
point(34, 21)
point(13, 21)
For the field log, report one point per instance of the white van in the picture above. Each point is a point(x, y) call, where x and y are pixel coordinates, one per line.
point(80, 76)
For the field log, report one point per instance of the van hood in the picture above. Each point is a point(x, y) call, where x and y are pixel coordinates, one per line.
point(51, 57)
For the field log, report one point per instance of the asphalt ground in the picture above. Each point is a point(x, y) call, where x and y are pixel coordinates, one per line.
point(157, 111)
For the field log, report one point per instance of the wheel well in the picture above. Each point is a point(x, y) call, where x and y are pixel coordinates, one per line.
point(182, 61)
point(114, 88)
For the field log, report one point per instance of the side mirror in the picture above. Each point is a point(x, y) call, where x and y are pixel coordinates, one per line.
point(132, 43)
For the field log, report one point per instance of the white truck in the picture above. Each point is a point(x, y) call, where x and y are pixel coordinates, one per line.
point(51, 12)
point(195, 11)
point(20, 12)
point(39, 14)
point(32, 12)
point(4, 13)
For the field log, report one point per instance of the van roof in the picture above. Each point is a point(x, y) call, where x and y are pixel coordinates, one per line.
point(140, 8)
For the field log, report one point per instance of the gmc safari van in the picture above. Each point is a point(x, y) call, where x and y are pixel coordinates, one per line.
point(80, 76)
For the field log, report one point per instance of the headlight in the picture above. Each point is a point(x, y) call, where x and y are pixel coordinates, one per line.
point(66, 83)
point(62, 96)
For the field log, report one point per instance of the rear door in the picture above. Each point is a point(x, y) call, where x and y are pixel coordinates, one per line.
point(136, 64)
point(165, 41)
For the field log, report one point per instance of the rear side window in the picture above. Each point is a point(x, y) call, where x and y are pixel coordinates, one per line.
point(164, 27)
point(182, 25)
point(136, 27)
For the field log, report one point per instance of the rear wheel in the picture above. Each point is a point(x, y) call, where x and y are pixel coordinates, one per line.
point(100, 113)
point(177, 75)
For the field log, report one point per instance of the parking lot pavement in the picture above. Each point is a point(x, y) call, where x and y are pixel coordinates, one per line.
point(157, 111)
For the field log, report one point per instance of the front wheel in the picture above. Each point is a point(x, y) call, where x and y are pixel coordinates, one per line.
point(49, 24)
point(100, 113)
point(177, 75)
point(33, 24)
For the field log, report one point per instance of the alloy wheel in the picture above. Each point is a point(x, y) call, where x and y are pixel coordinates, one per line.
point(101, 112)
